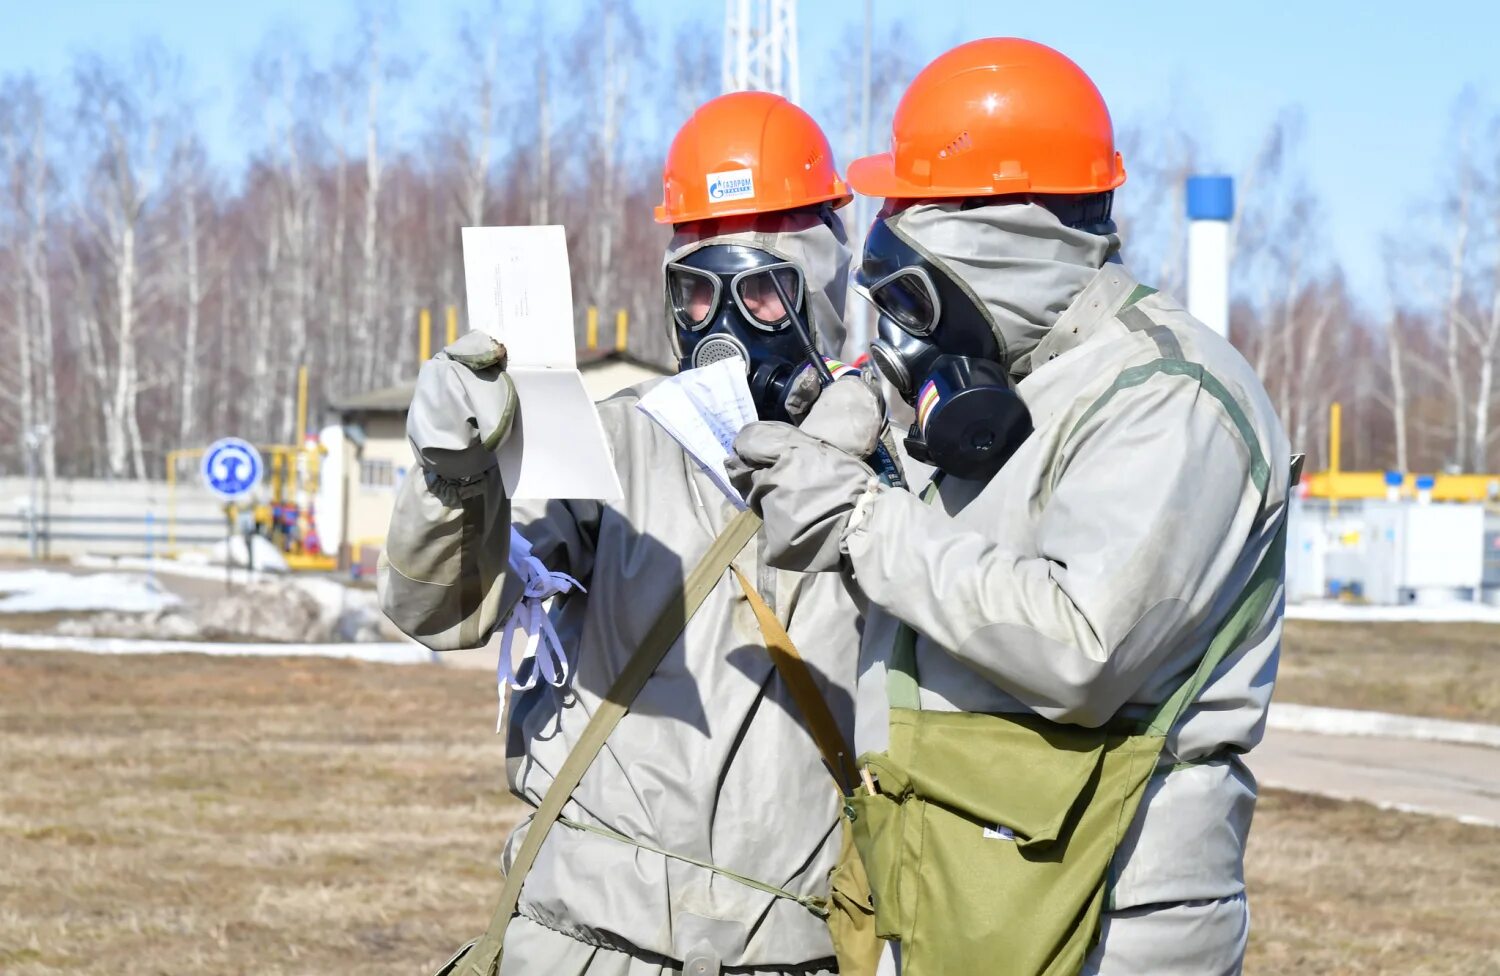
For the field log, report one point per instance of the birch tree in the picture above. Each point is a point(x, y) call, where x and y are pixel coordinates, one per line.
point(165, 294)
point(603, 116)
point(15, 161)
point(285, 81)
point(124, 129)
point(542, 189)
point(1453, 321)
point(38, 274)
point(473, 142)
point(188, 167)
point(366, 329)
point(1396, 400)
point(1150, 209)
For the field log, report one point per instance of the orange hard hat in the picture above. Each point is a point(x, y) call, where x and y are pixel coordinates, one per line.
point(747, 153)
point(995, 116)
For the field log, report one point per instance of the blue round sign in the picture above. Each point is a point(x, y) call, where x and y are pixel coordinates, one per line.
point(231, 467)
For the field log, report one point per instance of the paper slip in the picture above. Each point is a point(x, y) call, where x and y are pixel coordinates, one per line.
point(520, 292)
point(703, 409)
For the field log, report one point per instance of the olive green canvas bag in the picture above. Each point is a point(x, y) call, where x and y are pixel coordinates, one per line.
point(988, 838)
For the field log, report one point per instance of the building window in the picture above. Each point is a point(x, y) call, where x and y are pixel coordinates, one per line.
point(377, 474)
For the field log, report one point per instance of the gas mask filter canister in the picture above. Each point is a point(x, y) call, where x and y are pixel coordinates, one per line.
point(938, 349)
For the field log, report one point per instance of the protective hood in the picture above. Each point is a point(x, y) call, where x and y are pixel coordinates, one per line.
point(815, 242)
point(1022, 266)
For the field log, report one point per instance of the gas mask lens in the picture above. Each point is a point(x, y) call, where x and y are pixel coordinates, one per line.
point(756, 294)
point(694, 295)
point(909, 299)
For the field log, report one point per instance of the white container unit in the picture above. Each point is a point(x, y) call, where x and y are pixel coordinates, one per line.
point(1423, 553)
point(1306, 552)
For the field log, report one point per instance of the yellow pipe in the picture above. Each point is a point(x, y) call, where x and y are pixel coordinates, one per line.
point(452, 324)
point(172, 500)
point(424, 336)
point(1335, 438)
point(1335, 435)
point(622, 327)
point(1371, 484)
point(314, 480)
point(301, 403)
point(592, 337)
point(289, 478)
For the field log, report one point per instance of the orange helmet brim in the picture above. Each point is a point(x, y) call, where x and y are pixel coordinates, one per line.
point(664, 215)
point(875, 176)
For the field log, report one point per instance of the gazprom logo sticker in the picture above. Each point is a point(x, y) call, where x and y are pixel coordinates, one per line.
point(732, 184)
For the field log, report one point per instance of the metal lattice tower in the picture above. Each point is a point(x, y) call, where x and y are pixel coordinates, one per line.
point(760, 47)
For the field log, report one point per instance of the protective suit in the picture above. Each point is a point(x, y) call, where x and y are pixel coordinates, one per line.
point(1084, 579)
point(713, 764)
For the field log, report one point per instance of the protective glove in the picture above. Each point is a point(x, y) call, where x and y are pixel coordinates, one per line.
point(805, 481)
point(461, 413)
point(802, 392)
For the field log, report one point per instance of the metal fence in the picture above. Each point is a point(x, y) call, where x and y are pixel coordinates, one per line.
point(125, 518)
point(124, 534)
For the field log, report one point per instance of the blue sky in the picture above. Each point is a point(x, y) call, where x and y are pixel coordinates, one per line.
point(1377, 79)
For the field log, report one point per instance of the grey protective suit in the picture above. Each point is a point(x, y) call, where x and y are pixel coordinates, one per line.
point(713, 761)
point(1087, 577)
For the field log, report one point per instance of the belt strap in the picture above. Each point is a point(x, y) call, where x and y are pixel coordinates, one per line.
point(818, 906)
point(484, 959)
point(799, 681)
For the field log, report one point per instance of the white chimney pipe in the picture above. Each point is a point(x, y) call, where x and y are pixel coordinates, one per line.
point(1210, 206)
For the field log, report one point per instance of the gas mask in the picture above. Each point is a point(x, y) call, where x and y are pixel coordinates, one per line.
point(937, 347)
point(725, 303)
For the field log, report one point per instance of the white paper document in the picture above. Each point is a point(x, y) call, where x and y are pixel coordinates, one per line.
point(703, 409)
point(520, 292)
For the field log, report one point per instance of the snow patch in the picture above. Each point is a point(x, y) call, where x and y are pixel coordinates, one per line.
point(1456, 612)
point(291, 611)
point(384, 653)
point(266, 557)
point(48, 591)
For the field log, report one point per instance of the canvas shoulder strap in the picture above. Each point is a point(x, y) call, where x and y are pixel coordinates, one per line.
point(483, 958)
point(901, 687)
point(1246, 613)
point(799, 681)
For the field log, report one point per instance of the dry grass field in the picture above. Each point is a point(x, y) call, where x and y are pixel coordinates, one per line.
point(186, 815)
point(1345, 889)
point(192, 815)
point(1440, 670)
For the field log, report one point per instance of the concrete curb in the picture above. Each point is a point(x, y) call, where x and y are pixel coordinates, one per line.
point(1343, 721)
point(380, 653)
point(1398, 807)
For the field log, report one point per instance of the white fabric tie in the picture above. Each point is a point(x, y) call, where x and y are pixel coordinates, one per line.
point(530, 618)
